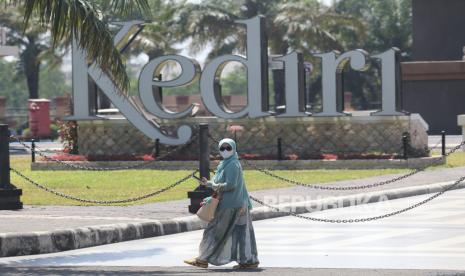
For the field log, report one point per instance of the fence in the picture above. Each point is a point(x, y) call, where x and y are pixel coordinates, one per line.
point(204, 141)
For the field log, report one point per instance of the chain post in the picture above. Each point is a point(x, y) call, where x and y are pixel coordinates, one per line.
point(4, 157)
point(280, 149)
point(405, 146)
point(33, 150)
point(9, 194)
point(201, 191)
point(204, 155)
point(443, 141)
point(157, 148)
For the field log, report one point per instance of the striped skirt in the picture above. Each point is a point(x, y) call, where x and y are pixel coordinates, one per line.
point(229, 237)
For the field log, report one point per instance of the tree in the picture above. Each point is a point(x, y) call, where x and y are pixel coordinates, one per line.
point(52, 83)
point(389, 24)
point(13, 89)
point(291, 25)
point(157, 38)
point(35, 48)
point(86, 19)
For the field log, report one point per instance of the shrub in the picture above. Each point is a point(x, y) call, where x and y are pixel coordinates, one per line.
point(54, 131)
point(26, 133)
point(68, 134)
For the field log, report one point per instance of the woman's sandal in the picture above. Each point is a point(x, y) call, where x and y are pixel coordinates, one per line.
point(246, 266)
point(197, 263)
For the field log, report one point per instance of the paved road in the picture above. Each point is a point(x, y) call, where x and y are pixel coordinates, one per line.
point(47, 218)
point(178, 271)
point(431, 237)
point(18, 149)
point(434, 141)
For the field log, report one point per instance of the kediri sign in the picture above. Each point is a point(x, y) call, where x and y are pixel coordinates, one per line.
point(256, 62)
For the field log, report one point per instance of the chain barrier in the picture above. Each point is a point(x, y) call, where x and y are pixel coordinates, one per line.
point(346, 188)
point(357, 220)
point(435, 146)
point(81, 167)
point(103, 202)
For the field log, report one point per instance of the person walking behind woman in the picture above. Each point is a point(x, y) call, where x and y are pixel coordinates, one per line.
point(229, 236)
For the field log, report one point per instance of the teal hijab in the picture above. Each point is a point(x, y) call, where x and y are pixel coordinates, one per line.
point(241, 194)
point(223, 163)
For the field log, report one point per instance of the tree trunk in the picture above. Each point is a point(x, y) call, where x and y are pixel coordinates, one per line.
point(32, 76)
point(31, 63)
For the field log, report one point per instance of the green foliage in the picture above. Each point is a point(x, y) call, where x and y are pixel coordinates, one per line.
point(235, 83)
point(291, 25)
point(54, 131)
point(302, 25)
point(157, 38)
point(34, 45)
point(52, 82)
point(86, 19)
point(388, 23)
point(190, 89)
point(27, 133)
point(306, 26)
point(68, 135)
point(13, 86)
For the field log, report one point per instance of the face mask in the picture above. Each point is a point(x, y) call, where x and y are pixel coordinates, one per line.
point(225, 154)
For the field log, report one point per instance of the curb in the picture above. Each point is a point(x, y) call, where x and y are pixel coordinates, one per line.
point(18, 244)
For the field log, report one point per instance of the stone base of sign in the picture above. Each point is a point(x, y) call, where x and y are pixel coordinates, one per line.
point(268, 164)
point(461, 123)
point(305, 137)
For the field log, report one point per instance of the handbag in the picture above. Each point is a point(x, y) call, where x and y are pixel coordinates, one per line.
point(207, 211)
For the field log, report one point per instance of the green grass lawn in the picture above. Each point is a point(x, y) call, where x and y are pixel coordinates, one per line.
point(111, 185)
point(454, 160)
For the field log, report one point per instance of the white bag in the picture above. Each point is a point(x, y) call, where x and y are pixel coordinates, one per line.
point(207, 211)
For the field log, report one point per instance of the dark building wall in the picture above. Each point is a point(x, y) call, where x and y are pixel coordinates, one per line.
point(438, 34)
point(438, 102)
point(438, 29)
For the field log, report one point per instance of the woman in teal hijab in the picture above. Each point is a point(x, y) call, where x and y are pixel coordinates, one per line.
point(229, 236)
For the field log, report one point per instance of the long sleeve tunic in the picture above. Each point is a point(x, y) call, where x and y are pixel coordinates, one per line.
point(231, 186)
